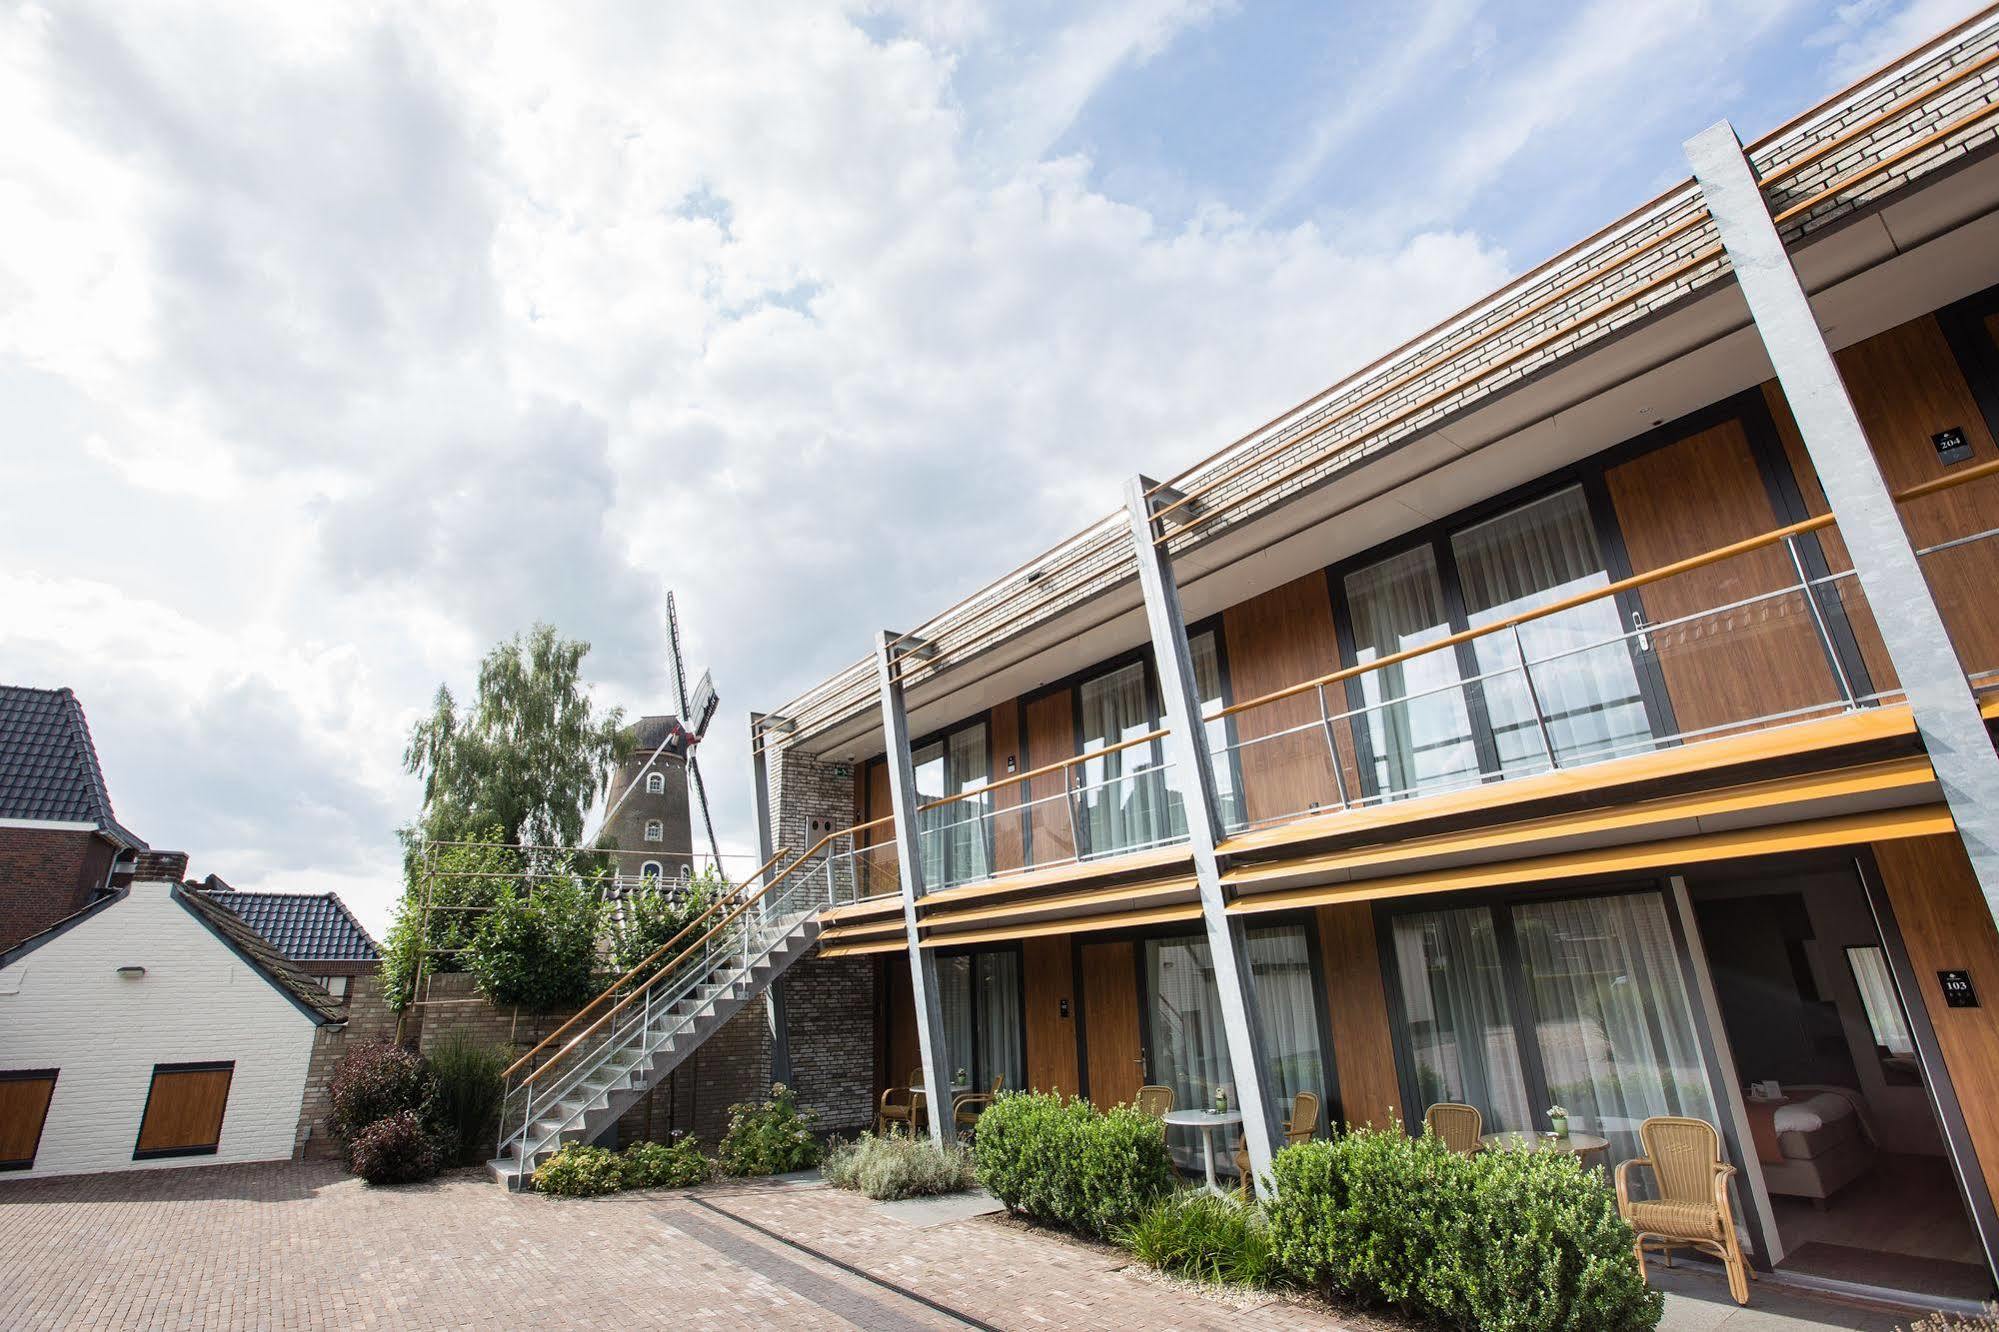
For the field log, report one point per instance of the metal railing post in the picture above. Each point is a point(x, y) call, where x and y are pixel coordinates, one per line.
point(1810, 595)
point(1534, 699)
point(1332, 747)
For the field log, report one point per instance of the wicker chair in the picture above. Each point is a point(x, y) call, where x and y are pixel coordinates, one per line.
point(1460, 1126)
point(1692, 1210)
point(966, 1109)
point(1301, 1127)
point(1155, 1100)
point(899, 1105)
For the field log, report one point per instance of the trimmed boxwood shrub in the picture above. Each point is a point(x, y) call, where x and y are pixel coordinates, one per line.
point(580, 1171)
point(376, 1081)
point(396, 1149)
point(1065, 1161)
point(660, 1165)
point(1501, 1240)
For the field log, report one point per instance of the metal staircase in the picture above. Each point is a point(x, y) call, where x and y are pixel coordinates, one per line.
point(575, 1084)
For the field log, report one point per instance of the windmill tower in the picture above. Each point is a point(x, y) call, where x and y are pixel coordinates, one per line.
point(649, 811)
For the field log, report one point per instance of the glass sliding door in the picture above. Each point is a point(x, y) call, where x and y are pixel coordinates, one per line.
point(1417, 727)
point(1186, 1047)
point(980, 995)
point(1613, 1020)
point(1123, 793)
point(1578, 1002)
point(955, 839)
point(1207, 655)
point(1582, 670)
point(1458, 1025)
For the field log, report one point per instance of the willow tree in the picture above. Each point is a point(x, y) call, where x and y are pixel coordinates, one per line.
point(521, 765)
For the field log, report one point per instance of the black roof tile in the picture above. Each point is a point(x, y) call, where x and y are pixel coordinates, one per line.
point(48, 765)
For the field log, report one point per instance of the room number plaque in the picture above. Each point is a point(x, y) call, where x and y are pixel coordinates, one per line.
point(1957, 991)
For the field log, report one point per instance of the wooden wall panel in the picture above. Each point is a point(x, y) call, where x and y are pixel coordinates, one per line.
point(1685, 499)
point(184, 1109)
point(1946, 926)
point(1906, 386)
point(1880, 671)
point(1049, 975)
point(1278, 639)
point(1003, 737)
point(1110, 1012)
point(1357, 1010)
point(24, 1108)
point(899, 1001)
point(1051, 737)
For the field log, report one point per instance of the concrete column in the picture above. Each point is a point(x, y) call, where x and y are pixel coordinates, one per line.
point(1947, 717)
point(909, 857)
point(1187, 753)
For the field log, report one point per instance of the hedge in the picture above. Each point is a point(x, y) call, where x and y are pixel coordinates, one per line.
point(1065, 1161)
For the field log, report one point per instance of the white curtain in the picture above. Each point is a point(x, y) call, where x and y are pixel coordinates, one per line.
point(1189, 1050)
point(954, 996)
point(1208, 683)
point(932, 783)
point(1419, 743)
point(1878, 997)
point(966, 820)
point(1001, 1053)
point(1460, 1025)
point(1616, 1030)
point(1531, 556)
point(1125, 802)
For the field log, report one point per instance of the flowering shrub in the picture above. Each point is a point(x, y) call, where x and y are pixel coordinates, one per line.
point(659, 1165)
point(770, 1137)
point(579, 1171)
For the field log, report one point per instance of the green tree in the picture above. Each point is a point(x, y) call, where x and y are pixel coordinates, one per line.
point(645, 921)
point(518, 769)
point(529, 757)
point(538, 948)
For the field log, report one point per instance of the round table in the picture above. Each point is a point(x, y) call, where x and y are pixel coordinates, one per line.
point(1207, 1121)
point(1583, 1145)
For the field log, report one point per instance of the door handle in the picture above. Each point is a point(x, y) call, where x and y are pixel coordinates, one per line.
point(1638, 626)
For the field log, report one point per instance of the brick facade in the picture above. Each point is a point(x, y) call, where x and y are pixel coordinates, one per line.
point(369, 1020)
point(830, 1004)
point(45, 875)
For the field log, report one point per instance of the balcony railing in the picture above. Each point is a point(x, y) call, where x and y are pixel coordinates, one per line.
point(1580, 680)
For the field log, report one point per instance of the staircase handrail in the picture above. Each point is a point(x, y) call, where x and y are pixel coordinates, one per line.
point(743, 904)
point(721, 901)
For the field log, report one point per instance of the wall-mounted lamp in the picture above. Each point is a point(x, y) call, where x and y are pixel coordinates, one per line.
point(131, 973)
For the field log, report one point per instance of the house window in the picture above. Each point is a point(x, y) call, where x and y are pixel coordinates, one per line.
point(655, 831)
point(652, 870)
point(1130, 801)
point(24, 1108)
point(184, 1110)
point(980, 996)
point(335, 985)
point(655, 783)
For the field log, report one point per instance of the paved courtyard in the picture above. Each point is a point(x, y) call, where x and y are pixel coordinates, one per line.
point(285, 1246)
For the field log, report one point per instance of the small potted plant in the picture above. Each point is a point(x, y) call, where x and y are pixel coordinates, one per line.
point(1558, 1121)
point(1222, 1099)
point(961, 1079)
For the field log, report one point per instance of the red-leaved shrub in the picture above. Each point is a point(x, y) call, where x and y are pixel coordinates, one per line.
point(395, 1150)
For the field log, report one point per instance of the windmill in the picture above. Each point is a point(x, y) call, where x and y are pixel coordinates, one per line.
point(695, 714)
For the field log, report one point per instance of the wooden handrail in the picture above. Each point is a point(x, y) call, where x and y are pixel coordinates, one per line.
point(1893, 109)
point(1664, 571)
point(652, 957)
point(1888, 163)
point(743, 905)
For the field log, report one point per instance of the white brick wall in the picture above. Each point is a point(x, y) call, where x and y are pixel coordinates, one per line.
point(64, 1006)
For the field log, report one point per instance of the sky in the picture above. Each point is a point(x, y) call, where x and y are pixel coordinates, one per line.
point(339, 342)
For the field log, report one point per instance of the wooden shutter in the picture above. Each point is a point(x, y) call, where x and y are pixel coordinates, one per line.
point(24, 1108)
point(184, 1110)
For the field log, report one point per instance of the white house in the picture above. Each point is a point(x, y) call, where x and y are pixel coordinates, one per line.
point(152, 1028)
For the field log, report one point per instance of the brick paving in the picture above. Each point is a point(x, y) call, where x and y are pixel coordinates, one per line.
point(304, 1246)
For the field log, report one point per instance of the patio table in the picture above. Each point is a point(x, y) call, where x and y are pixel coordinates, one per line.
point(1581, 1145)
point(1207, 1121)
